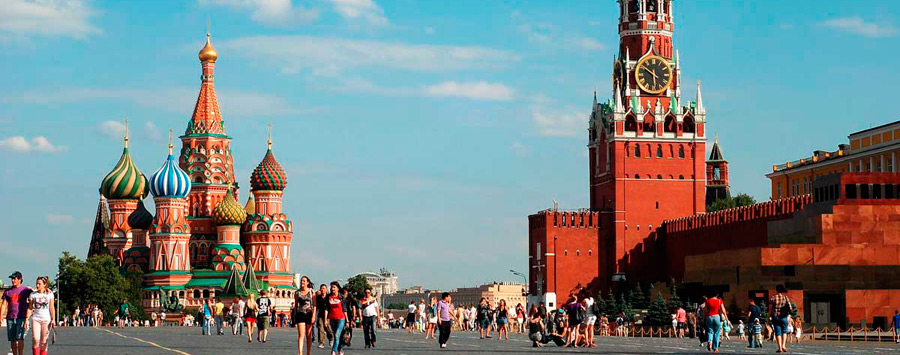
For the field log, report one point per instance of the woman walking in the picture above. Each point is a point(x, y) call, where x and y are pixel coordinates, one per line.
point(432, 318)
point(336, 317)
point(520, 318)
point(302, 315)
point(715, 314)
point(205, 315)
point(502, 321)
point(250, 317)
point(42, 313)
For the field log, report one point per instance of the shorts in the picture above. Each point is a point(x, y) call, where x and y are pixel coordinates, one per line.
point(484, 322)
point(590, 320)
point(681, 325)
point(501, 321)
point(262, 322)
point(15, 329)
point(410, 319)
point(250, 319)
point(520, 320)
point(780, 325)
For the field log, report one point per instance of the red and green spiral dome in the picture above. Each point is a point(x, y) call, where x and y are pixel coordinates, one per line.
point(268, 175)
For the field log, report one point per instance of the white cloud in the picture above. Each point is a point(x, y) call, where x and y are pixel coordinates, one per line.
point(559, 122)
point(152, 131)
point(588, 43)
point(367, 10)
point(330, 56)
point(59, 218)
point(113, 129)
point(177, 99)
point(68, 18)
point(856, 25)
point(270, 12)
point(473, 90)
point(38, 144)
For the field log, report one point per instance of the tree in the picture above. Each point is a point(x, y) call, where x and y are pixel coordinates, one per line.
point(763, 312)
point(674, 300)
point(738, 200)
point(396, 306)
point(638, 299)
point(611, 304)
point(623, 306)
point(658, 313)
point(601, 305)
point(96, 281)
point(357, 285)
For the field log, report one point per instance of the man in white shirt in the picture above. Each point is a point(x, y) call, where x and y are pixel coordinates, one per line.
point(411, 317)
point(370, 311)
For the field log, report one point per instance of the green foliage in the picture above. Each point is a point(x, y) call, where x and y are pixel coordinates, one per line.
point(658, 313)
point(396, 306)
point(356, 285)
point(97, 281)
point(601, 304)
point(738, 200)
point(763, 312)
point(611, 305)
point(674, 300)
point(637, 298)
point(623, 306)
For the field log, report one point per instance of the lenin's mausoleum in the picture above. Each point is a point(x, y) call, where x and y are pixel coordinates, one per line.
point(831, 232)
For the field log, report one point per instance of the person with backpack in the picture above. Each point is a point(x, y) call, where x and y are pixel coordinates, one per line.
point(576, 313)
point(780, 312)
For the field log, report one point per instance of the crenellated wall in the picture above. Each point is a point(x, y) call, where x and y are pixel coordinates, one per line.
point(563, 251)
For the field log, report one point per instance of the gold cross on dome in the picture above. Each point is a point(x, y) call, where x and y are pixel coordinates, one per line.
point(126, 132)
point(269, 128)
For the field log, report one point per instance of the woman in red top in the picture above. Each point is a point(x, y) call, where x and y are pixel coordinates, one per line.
point(336, 317)
point(715, 317)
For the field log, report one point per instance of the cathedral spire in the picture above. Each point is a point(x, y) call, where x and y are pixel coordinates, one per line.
point(618, 99)
point(206, 119)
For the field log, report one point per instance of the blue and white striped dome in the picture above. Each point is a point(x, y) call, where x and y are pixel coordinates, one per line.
point(170, 180)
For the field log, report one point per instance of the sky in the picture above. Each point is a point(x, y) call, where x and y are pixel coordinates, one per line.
point(417, 135)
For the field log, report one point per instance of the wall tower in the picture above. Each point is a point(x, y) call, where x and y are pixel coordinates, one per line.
point(716, 174)
point(170, 263)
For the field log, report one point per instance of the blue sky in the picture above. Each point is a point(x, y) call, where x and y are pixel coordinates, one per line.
point(417, 135)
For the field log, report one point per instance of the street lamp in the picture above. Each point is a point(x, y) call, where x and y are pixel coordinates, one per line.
point(524, 278)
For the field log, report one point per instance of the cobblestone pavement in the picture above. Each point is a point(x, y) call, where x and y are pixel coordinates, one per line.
point(184, 341)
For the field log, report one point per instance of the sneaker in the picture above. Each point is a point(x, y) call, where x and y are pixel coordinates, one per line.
point(321, 346)
point(443, 346)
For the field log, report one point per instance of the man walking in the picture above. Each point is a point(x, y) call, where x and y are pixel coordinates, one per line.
point(220, 316)
point(263, 314)
point(237, 314)
point(445, 319)
point(896, 322)
point(321, 322)
point(752, 315)
point(14, 305)
point(369, 307)
point(123, 313)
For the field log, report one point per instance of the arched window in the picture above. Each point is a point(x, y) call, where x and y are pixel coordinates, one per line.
point(688, 125)
point(659, 151)
point(681, 152)
point(193, 251)
point(637, 176)
point(671, 151)
point(680, 177)
point(651, 5)
point(205, 294)
point(637, 151)
point(659, 176)
point(670, 124)
point(196, 294)
point(630, 124)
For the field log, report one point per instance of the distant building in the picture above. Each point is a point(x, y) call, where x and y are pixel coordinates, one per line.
point(383, 282)
point(412, 294)
point(513, 293)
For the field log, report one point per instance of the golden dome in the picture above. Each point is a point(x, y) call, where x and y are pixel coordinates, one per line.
point(208, 53)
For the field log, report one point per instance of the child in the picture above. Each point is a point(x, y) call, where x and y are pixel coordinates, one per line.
point(757, 334)
point(741, 330)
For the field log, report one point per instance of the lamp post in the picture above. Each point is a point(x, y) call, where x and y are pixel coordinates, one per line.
point(524, 279)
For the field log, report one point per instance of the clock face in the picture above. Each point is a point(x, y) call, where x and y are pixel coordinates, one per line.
point(653, 74)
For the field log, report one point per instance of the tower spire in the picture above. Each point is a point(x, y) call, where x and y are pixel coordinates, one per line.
point(700, 109)
point(126, 132)
point(170, 142)
point(269, 128)
point(618, 99)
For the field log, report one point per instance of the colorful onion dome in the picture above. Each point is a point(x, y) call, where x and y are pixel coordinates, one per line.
point(125, 181)
point(268, 175)
point(170, 181)
point(208, 53)
point(140, 218)
point(229, 211)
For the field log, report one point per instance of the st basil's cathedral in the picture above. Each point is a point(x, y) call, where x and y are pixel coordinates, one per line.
point(201, 243)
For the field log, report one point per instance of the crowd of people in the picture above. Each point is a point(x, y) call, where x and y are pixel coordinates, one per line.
point(329, 314)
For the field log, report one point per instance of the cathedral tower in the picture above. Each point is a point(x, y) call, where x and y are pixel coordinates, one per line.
point(268, 233)
point(170, 263)
point(206, 157)
point(124, 187)
point(645, 147)
point(228, 216)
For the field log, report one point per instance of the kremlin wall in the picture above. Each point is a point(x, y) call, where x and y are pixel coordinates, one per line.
point(831, 232)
